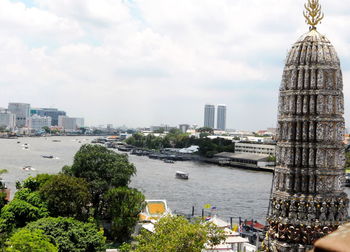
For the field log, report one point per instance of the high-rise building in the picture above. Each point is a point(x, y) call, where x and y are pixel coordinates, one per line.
point(38, 122)
point(308, 199)
point(184, 127)
point(7, 119)
point(70, 123)
point(209, 116)
point(54, 113)
point(221, 117)
point(22, 112)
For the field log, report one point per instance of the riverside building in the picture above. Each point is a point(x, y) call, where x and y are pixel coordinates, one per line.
point(308, 199)
point(221, 117)
point(7, 120)
point(22, 112)
point(209, 116)
point(39, 122)
point(54, 113)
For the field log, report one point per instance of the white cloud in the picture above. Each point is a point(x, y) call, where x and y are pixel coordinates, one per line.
point(142, 62)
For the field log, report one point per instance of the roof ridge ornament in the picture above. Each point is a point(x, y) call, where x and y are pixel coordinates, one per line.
point(313, 13)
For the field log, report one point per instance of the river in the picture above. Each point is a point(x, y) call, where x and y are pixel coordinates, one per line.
point(233, 192)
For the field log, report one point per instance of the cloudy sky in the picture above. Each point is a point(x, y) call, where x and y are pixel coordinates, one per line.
point(147, 62)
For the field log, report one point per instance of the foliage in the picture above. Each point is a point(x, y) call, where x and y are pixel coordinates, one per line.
point(347, 160)
point(121, 207)
point(176, 139)
point(173, 234)
point(66, 196)
point(102, 169)
point(70, 235)
point(271, 158)
point(46, 129)
point(30, 240)
point(208, 130)
point(34, 183)
point(18, 213)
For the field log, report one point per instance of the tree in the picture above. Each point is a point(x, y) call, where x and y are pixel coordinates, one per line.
point(26, 240)
point(103, 169)
point(46, 129)
point(173, 234)
point(34, 183)
point(208, 130)
point(121, 208)
point(70, 235)
point(66, 196)
point(18, 213)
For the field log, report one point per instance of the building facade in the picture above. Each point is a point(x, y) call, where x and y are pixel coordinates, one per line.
point(308, 199)
point(7, 120)
point(54, 113)
point(221, 117)
point(38, 122)
point(22, 112)
point(184, 127)
point(263, 149)
point(209, 116)
point(70, 123)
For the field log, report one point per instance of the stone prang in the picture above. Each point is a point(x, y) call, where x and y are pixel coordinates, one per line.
point(308, 200)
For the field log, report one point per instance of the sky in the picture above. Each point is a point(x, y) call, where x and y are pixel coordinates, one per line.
point(149, 62)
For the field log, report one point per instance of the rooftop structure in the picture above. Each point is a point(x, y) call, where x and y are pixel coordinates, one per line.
point(308, 200)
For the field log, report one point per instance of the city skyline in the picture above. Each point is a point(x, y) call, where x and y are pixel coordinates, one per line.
point(141, 64)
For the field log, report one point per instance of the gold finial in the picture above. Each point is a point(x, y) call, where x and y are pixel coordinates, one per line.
point(313, 13)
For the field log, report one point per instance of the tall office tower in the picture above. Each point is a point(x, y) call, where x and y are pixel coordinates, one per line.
point(308, 199)
point(221, 117)
point(22, 112)
point(209, 116)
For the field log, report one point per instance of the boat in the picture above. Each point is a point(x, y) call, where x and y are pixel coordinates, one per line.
point(169, 161)
point(181, 175)
point(50, 156)
point(28, 168)
point(56, 141)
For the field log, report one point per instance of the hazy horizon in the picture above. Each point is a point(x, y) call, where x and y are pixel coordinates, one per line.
point(143, 63)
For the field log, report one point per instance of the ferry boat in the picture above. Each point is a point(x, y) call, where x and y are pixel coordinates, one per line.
point(181, 175)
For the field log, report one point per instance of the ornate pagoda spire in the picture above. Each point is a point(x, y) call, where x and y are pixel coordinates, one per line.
point(313, 13)
point(307, 200)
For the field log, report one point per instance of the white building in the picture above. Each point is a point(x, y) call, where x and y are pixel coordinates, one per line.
point(209, 116)
point(264, 149)
point(22, 112)
point(70, 123)
point(7, 120)
point(221, 117)
point(38, 122)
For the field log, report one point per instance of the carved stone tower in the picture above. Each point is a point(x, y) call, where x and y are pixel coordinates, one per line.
point(307, 200)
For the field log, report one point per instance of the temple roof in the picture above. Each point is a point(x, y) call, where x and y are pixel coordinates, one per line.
point(313, 36)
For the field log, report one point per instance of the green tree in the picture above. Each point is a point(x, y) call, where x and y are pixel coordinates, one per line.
point(173, 234)
point(46, 129)
point(26, 240)
point(66, 196)
point(70, 235)
point(208, 130)
point(121, 208)
point(103, 169)
point(34, 183)
point(18, 213)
